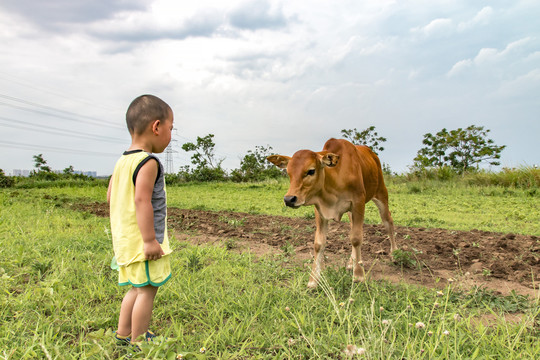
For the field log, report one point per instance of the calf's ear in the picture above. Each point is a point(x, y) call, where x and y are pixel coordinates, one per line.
point(280, 161)
point(329, 159)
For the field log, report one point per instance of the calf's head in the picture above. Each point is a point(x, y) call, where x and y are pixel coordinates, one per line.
point(306, 174)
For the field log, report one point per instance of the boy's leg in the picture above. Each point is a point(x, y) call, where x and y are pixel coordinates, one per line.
point(126, 309)
point(142, 310)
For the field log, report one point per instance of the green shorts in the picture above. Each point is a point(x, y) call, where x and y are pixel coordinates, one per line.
point(139, 274)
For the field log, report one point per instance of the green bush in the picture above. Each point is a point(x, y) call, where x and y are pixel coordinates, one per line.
point(239, 175)
point(202, 174)
point(208, 174)
point(5, 181)
point(523, 177)
point(526, 177)
point(255, 167)
point(45, 175)
point(443, 173)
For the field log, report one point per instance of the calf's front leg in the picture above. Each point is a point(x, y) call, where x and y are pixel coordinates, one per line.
point(318, 249)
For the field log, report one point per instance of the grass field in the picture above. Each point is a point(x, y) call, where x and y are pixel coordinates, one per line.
point(60, 300)
point(427, 204)
point(419, 204)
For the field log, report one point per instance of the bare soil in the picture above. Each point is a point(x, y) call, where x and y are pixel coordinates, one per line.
point(499, 262)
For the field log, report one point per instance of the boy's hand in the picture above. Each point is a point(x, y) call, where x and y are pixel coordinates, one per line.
point(152, 250)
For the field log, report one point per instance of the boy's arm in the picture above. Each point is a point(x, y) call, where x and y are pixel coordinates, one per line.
point(144, 186)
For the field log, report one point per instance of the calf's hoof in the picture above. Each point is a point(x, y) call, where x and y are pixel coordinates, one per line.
point(359, 274)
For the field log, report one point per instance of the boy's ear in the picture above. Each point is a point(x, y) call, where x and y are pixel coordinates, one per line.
point(155, 126)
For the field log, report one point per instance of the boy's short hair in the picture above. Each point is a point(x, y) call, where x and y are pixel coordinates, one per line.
point(144, 110)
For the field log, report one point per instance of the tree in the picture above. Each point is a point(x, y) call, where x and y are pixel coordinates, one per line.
point(43, 171)
point(5, 181)
point(207, 168)
point(460, 149)
point(255, 167)
point(41, 164)
point(69, 170)
point(368, 137)
point(204, 152)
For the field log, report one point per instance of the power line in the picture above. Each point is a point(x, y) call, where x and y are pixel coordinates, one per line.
point(68, 114)
point(45, 110)
point(41, 89)
point(15, 145)
point(56, 133)
point(54, 130)
point(13, 98)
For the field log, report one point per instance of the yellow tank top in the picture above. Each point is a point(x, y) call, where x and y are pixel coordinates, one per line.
point(126, 236)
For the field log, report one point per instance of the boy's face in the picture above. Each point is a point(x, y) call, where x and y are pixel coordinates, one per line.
point(163, 137)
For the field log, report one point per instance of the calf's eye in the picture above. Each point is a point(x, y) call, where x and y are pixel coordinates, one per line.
point(310, 172)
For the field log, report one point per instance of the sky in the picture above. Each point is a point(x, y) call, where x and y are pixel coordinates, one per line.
point(285, 74)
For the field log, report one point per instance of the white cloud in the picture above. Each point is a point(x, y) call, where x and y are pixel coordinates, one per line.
point(522, 87)
point(481, 18)
point(144, 27)
point(459, 67)
point(486, 55)
point(515, 52)
point(257, 14)
point(178, 20)
point(437, 27)
point(54, 15)
point(512, 52)
point(533, 58)
point(517, 45)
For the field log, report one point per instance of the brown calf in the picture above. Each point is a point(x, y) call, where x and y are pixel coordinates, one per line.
point(340, 179)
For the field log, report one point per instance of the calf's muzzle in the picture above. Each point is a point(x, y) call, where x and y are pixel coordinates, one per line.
point(290, 201)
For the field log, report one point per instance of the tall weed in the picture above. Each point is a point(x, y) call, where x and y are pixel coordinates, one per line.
point(523, 177)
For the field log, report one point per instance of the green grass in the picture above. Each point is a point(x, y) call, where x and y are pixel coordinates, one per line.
point(450, 206)
point(447, 205)
point(59, 297)
point(418, 204)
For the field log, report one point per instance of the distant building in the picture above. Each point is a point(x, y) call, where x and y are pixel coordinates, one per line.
point(18, 172)
point(86, 173)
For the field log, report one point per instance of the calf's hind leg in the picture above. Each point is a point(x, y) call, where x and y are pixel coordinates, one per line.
point(357, 235)
point(382, 204)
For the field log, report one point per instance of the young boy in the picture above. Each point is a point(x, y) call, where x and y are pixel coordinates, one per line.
point(138, 211)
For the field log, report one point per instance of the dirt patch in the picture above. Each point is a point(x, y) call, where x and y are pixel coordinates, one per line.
point(499, 262)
